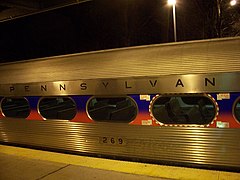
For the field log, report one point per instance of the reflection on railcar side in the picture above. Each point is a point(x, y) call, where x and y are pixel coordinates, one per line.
point(16, 107)
point(57, 108)
point(185, 109)
point(112, 109)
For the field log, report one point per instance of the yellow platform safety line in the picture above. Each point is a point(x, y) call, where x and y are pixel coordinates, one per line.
point(153, 170)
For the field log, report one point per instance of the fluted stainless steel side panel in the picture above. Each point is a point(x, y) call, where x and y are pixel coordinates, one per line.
point(207, 56)
point(206, 146)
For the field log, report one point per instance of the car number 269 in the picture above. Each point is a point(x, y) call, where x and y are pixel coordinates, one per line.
point(112, 140)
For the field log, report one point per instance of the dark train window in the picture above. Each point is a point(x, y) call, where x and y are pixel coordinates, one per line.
point(237, 110)
point(16, 107)
point(183, 109)
point(57, 108)
point(112, 109)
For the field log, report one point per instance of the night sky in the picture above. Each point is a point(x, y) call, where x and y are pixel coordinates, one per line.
point(101, 24)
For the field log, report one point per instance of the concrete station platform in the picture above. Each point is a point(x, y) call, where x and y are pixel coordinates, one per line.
point(29, 164)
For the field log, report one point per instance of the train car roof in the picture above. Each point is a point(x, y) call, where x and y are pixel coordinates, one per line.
point(192, 57)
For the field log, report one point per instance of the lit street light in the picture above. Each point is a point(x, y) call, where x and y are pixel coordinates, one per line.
point(173, 4)
point(233, 2)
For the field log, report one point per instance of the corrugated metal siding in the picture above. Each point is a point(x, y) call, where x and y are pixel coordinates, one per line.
point(208, 146)
point(211, 56)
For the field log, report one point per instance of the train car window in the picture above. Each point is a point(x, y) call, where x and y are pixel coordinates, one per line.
point(63, 108)
point(16, 107)
point(112, 109)
point(237, 110)
point(183, 109)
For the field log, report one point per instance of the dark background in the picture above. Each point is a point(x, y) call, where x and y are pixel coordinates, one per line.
point(105, 24)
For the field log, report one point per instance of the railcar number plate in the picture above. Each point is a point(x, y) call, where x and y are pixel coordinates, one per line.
point(118, 141)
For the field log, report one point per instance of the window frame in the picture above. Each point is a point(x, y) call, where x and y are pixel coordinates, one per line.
point(47, 119)
point(115, 96)
point(233, 109)
point(15, 97)
point(214, 102)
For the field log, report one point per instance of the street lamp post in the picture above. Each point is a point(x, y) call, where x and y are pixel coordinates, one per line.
point(173, 4)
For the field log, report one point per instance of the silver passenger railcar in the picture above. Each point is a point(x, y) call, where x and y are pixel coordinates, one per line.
point(173, 103)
